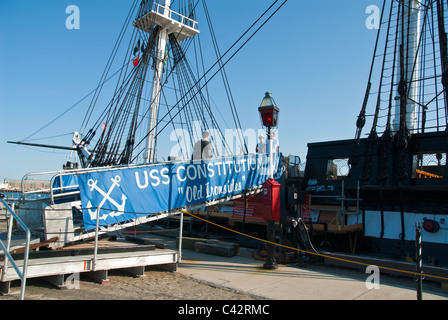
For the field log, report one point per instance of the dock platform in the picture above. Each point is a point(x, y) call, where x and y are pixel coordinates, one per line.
point(61, 267)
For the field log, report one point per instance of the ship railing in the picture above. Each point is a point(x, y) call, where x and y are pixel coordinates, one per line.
point(343, 201)
point(22, 273)
point(165, 11)
point(52, 191)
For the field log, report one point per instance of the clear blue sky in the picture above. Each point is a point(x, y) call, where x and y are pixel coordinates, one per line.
point(314, 56)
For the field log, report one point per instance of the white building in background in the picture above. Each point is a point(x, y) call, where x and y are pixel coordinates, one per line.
point(4, 185)
point(28, 185)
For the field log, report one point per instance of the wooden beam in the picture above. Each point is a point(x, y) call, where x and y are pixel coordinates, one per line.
point(146, 241)
point(36, 245)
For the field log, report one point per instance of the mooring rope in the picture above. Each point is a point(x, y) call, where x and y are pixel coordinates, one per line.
point(309, 252)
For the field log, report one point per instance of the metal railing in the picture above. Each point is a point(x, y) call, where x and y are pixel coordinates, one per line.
point(8, 258)
point(343, 201)
point(161, 9)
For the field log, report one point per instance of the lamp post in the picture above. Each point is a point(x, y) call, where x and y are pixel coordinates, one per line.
point(269, 118)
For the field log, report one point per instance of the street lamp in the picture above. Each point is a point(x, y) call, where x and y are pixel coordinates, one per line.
point(269, 111)
point(269, 118)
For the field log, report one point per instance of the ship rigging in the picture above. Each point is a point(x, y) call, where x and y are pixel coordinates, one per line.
point(161, 83)
point(157, 86)
point(395, 177)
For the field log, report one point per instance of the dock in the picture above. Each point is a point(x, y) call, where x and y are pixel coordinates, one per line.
point(60, 266)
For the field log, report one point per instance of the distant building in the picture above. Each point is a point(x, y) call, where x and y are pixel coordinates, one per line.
point(3, 186)
point(29, 185)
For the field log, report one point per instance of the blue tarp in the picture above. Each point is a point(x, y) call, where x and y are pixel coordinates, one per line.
point(124, 194)
point(66, 183)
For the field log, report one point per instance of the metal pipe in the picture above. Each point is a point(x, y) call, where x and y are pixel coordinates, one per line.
point(271, 169)
point(8, 241)
point(244, 212)
point(95, 250)
point(181, 232)
point(22, 274)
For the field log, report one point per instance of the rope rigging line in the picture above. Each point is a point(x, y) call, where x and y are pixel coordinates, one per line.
point(229, 59)
point(104, 80)
point(411, 74)
point(200, 105)
point(226, 81)
point(312, 251)
point(123, 106)
point(109, 65)
point(73, 106)
point(192, 8)
point(361, 118)
point(182, 65)
point(412, 63)
point(375, 121)
point(119, 121)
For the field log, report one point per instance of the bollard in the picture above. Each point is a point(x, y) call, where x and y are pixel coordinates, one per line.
point(418, 260)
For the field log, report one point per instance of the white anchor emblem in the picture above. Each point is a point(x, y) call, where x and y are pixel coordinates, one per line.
point(120, 207)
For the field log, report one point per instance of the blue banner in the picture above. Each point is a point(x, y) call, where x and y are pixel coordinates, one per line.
point(123, 194)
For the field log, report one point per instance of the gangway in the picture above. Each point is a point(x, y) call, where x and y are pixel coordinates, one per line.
point(128, 196)
point(104, 200)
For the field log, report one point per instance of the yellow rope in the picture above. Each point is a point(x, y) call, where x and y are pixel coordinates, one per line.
point(308, 252)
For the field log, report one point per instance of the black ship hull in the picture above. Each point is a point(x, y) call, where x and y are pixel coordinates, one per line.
point(384, 191)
